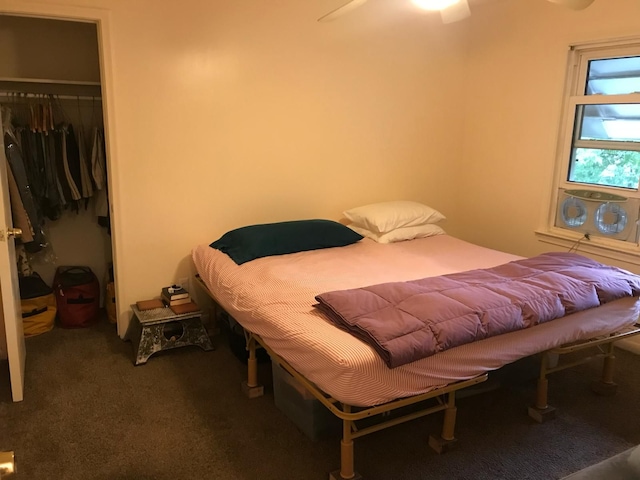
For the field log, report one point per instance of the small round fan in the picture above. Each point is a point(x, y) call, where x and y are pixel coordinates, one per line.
point(573, 212)
point(610, 218)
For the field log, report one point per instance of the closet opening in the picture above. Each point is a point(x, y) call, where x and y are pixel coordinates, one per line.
point(51, 99)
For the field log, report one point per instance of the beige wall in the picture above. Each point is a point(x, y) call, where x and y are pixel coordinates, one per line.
point(229, 113)
point(515, 81)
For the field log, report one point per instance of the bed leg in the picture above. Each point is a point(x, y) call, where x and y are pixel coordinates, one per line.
point(251, 388)
point(606, 386)
point(346, 471)
point(446, 441)
point(542, 411)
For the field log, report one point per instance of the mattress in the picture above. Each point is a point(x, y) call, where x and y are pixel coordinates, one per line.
point(274, 297)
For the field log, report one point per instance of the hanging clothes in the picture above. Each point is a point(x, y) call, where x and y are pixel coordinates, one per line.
point(85, 175)
point(39, 155)
point(71, 161)
point(60, 167)
point(61, 172)
point(33, 159)
point(98, 171)
point(98, 163)
point(20, 216)
point(14, 156)
point(52, 202)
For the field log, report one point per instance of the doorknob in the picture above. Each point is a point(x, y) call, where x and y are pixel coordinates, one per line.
point(11, 232)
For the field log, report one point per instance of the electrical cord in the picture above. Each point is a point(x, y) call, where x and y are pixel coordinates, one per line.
point(574, 247)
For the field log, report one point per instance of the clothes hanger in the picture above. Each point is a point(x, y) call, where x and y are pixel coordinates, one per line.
point(32, 119)
point(51, 121)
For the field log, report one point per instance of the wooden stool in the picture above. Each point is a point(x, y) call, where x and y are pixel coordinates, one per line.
point(160, 329)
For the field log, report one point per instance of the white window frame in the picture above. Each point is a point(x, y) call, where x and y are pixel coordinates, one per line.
point(574, 94)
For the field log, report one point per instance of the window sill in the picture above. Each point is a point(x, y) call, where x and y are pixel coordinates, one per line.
point(616, 250)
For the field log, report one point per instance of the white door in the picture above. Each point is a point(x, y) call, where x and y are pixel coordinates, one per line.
point(9, 286)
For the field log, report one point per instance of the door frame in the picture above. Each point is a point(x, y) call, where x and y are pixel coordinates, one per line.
point(102, 19)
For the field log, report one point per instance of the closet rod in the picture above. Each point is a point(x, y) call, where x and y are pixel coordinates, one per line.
point(48, 87)
point(35, 96)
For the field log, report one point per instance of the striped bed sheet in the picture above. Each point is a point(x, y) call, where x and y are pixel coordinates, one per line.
point(274, 297)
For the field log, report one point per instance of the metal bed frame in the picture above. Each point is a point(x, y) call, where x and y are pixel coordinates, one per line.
point(604, 345)
point(444, 397)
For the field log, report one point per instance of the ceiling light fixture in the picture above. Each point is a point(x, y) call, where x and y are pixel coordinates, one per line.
point(573, 4)
point(450, 10)
point(434, 4)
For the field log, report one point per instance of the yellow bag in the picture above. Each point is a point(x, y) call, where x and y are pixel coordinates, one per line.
point(38, 314)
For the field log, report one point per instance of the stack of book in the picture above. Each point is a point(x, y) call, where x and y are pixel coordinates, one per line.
point(175, 295)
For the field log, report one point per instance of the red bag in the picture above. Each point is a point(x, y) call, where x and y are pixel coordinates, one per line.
point(77, 296)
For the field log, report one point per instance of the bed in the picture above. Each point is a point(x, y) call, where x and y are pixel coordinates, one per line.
point(273, 298)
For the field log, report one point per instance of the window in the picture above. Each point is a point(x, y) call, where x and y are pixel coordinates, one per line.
point(606, 128)
point(598, 161)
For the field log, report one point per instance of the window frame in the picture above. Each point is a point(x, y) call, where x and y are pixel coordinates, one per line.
point(580, 57)
point(576, 79)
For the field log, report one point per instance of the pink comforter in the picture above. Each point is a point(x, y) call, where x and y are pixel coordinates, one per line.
point(407, 321)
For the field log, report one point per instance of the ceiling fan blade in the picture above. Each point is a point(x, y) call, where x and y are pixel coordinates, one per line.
point(573, 4)
point(347, 7)
point(456, 12)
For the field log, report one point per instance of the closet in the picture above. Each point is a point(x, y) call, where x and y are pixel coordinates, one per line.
point(49, 80)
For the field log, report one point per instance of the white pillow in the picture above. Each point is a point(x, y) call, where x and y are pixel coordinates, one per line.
point(386, 216)
point(400, 234)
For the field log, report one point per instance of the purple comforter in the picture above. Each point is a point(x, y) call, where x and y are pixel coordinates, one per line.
point(407, 321)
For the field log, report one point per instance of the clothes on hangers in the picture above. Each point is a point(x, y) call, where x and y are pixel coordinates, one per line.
point(99, 175)
point(55, 167)
point(71, 159)
point(40, 158)
point(98, 163)
point(13, 152)
point(85, 177)
point(19, 213)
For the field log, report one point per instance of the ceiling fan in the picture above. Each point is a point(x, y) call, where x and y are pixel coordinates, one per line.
point(450, 10)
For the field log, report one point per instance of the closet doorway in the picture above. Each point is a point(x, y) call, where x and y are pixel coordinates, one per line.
point(51, 97)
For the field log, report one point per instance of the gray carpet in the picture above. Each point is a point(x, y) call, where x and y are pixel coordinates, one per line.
point(90, 414)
